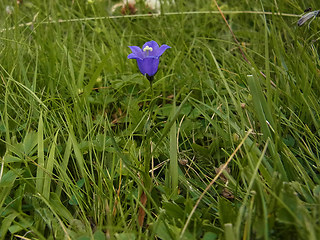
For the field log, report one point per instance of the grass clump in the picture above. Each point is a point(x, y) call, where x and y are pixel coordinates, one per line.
point(89, 150)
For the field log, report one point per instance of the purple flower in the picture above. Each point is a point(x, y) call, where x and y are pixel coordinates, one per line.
point(148, 57)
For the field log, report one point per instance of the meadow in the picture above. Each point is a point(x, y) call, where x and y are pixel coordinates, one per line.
point(223, 143)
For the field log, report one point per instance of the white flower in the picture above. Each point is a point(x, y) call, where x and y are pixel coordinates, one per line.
point(9, 9)
point(131, 2)
point(153, 5)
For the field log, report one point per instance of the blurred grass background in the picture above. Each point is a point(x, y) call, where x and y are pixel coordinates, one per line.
point(89, 151)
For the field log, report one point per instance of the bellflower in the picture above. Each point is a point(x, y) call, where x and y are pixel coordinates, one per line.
point(148, 57)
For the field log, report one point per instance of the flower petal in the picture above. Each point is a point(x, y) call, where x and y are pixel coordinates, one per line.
point(152, 44)
point(162, 49)
point(148, 65)
point(136, 51)
point(155, 47)
point(133, 56)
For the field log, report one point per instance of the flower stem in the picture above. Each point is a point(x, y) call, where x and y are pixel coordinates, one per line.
point(150, 78)
point(147, 141)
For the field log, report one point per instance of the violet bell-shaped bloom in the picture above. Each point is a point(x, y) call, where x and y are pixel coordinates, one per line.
point(148, 57)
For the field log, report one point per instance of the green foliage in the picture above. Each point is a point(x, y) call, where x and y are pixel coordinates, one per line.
point(84, 137)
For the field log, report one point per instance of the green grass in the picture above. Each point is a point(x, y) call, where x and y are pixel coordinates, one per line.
point(88, 150)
